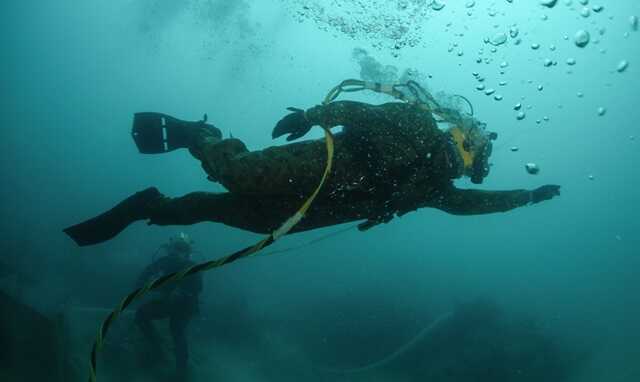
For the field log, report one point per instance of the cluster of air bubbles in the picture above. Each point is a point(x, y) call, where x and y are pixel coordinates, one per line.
point(487, 90)
point(385, 24)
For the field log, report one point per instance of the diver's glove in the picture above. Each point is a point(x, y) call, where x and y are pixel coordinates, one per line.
point(294, 124)
point(543, 193)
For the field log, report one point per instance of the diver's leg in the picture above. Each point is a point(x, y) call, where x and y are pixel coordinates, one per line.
point(145, 315)
point(260, 214)
point(252, 213)
point(178, 325)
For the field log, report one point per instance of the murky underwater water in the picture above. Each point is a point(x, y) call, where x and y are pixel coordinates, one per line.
point(544, 292)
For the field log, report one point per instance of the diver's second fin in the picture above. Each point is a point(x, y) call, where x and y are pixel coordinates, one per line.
point(110, 223)
point(157, 133)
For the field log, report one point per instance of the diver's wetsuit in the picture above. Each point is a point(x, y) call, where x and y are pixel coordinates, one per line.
point(389, 159)
point(179, 303)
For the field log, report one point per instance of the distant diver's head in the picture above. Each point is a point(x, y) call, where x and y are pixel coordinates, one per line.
point(474, 147)
point(180, 245)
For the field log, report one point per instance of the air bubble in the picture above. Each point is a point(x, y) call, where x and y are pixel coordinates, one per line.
point(581, 38)
point(622, 66)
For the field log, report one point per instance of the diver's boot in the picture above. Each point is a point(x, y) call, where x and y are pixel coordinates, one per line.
point(107, 225)
point(157, 133)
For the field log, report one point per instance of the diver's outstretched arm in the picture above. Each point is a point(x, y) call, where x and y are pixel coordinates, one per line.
point(477, 202)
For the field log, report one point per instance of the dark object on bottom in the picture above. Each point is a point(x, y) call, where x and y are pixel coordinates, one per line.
point(30, 344)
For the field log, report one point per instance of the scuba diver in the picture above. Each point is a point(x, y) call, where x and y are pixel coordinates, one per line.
point(390, 159)
point(179, 302)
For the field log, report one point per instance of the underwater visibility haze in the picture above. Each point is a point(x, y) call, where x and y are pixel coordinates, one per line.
point(476, 223)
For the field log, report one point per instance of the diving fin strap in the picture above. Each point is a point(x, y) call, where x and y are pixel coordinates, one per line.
point(157, 133)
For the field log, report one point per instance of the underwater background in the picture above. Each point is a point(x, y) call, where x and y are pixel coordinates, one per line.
point(547, 292)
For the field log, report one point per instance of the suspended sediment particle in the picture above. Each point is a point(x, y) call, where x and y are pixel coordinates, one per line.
point(581, 38)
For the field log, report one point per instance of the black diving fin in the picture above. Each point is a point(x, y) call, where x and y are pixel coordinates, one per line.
point(157, 133)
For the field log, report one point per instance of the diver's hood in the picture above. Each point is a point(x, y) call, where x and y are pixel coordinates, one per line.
point(474, 147)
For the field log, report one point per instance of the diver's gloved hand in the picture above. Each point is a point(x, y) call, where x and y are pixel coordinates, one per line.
point(543, 193)
point(294, 124)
